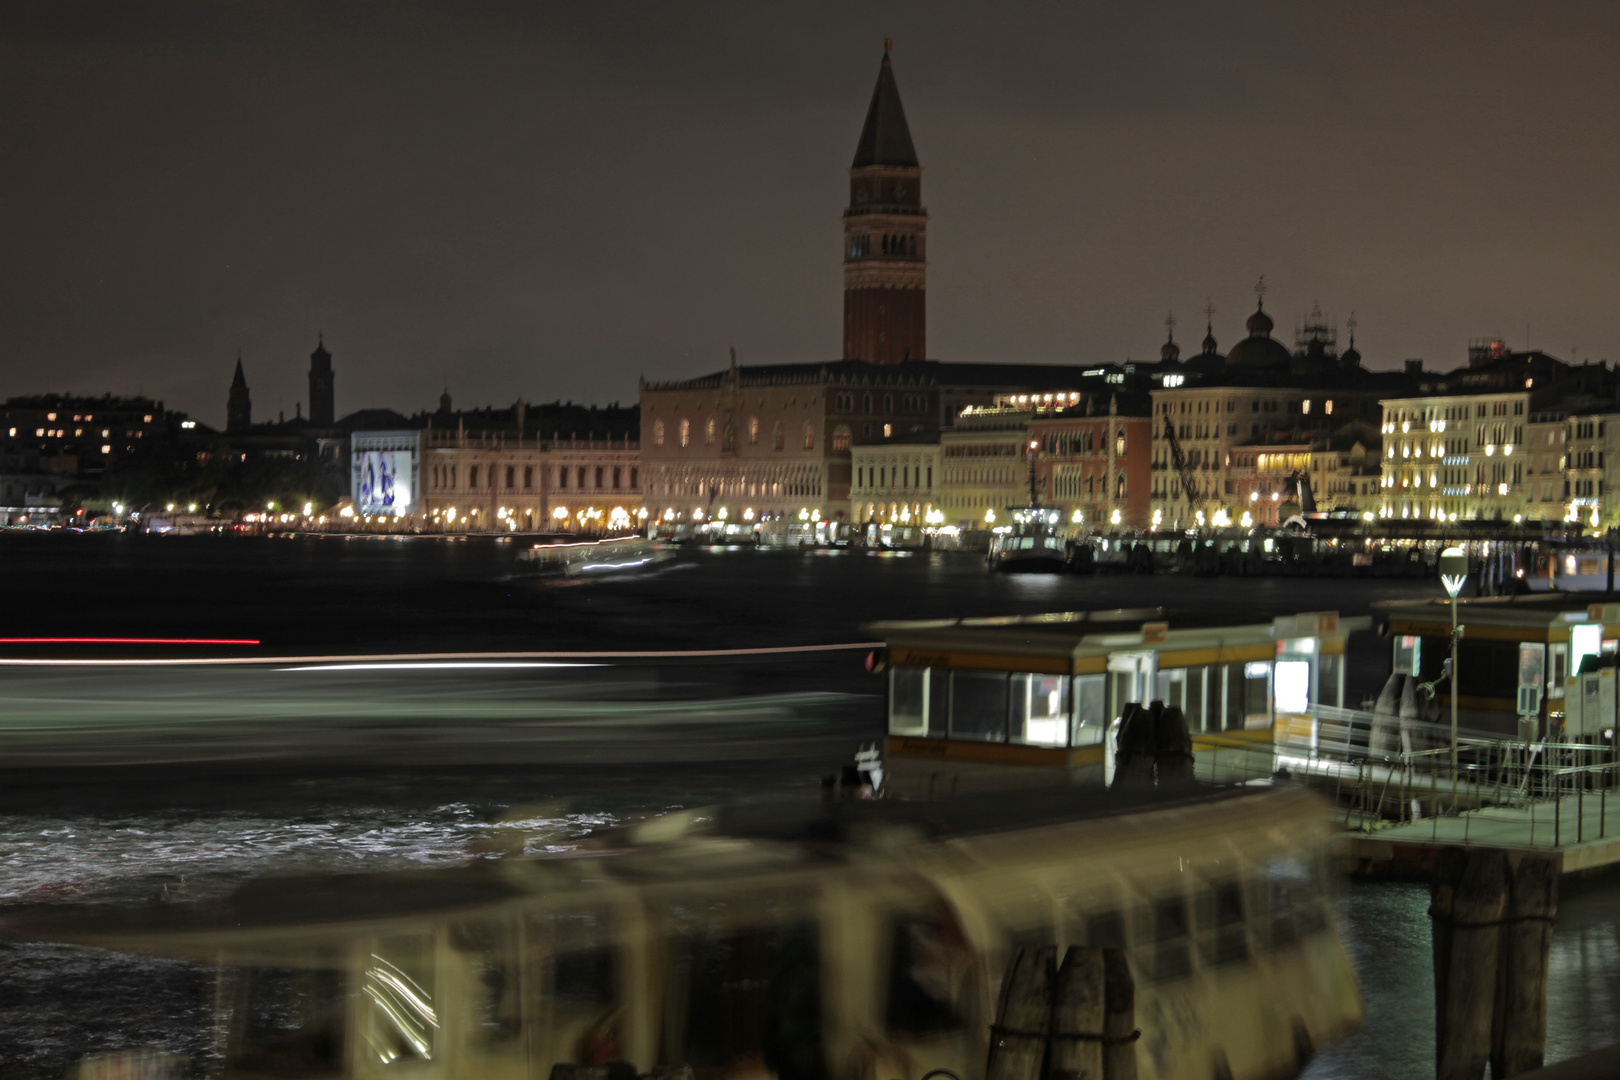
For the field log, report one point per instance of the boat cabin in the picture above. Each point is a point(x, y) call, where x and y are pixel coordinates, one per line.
point(977, 704)
point(1547, 659)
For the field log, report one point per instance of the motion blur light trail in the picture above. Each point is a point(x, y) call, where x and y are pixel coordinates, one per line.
point(125, 641)
point(598, 654)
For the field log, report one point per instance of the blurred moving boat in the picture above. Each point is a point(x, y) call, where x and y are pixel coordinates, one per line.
point(852, 940)
point(1032, 543)
point(574, 558)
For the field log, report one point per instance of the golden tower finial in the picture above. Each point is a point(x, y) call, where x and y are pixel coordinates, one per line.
point(888, 45)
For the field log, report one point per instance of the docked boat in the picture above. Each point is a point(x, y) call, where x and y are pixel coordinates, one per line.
point(565, 558)
point(1032, 543)
point(848, 940)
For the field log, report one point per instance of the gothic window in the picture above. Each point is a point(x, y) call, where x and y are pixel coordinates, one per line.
point(1119, 445)
point(809, 437)
point(888, 404)
point(1119, 486)
point(708, 431)
point(753, 430)
point(845, 402)
point(728, 440)
point(658, 433)
point(778, 439)
point(866, 404)
point(841, 437)
point(686, 432)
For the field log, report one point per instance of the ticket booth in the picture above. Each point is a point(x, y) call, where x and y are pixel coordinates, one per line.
point(983, 704)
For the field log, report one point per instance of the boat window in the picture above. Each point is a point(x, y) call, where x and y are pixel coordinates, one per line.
point(1171, 957)
point(1221, 935)
point(1090, 710)
point(908, 701)
point(1196, 697)
point(495, 1004)
point(1170, 685)
point(1295, 899)
point(1248, 695)
point(1040, 709)
point(403, 1017)
point(929, 975)
point(1106, 930)
point(746, 998)
point(979, 705)
point(1293, 686)
point(1329, 680)
point(288, 1021)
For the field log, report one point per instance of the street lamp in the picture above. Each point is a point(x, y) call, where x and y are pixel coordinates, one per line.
point(1453, 572)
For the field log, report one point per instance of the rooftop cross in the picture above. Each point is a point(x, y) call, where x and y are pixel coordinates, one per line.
point(1170, 325)
point(1209, 310)
point(1260, 291)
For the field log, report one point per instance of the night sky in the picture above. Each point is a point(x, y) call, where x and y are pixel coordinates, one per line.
point(551, 200)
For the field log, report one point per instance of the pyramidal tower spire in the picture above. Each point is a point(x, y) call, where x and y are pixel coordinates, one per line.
point(239, 405)
point(885, 234)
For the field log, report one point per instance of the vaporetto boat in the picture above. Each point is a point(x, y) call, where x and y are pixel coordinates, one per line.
point(856, 939)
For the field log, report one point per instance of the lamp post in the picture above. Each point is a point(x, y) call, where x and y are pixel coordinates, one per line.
point(1453, 572)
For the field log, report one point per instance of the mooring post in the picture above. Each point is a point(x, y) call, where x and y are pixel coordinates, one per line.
point(1119, 1018)
point(1468, 902)
point(1078, 1006)
point(1023, 1016)
point(1519, 1026)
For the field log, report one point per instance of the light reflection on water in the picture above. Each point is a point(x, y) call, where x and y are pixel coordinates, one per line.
point(83, 858)
point(1386, 927)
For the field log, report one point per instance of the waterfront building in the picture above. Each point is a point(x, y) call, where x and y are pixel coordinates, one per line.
point(984, 466)
point(1546, 435)
point(1589, 443)
point(75, 436)
point(551, 468)
point(1092, 458)
point(1346, 470)
point(896, 481)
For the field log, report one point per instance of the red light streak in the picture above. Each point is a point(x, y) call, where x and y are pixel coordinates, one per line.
point(126, 641)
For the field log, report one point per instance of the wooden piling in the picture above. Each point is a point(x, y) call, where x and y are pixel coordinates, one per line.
point(1023, 1016)
point(1519, 1026)
point(1119, 1017)
point(1078, 1007)
point(1468, 902)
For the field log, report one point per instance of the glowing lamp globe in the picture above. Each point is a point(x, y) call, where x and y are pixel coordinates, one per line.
point(1453, 570)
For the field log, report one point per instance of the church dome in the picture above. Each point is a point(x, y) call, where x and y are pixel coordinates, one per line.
point(1351, 357)
point(1210, 348)
point(1259, 324)
point(1259, 349)
point(1169, 350)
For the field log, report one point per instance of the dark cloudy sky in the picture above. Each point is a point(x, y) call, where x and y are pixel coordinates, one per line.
point(550, 200)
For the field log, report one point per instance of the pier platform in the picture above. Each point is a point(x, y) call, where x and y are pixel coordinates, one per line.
point(1583, 831)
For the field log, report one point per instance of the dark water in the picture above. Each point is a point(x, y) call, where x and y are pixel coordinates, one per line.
point(113, 787)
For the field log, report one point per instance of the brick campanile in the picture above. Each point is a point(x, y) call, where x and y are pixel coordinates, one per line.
point(885, 237)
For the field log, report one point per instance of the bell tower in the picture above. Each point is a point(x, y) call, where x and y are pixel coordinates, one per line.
point(885, 236)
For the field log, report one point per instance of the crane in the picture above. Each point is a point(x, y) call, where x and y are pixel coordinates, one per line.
point(1188, 483)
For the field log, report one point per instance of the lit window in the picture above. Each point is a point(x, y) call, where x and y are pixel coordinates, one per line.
point(105, 449)
point(50, 416)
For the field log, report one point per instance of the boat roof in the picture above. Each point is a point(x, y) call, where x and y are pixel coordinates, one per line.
point(1548, 615)
point(1070, 634)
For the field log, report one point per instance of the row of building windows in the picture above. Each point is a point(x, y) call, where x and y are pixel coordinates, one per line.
point(904, 476)
point(607, 478)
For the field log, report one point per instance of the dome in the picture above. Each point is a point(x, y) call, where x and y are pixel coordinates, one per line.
point(1169, 350)
point(1259, 349)
point(1350, 357)
point(1259, 324)
point(1209, 341)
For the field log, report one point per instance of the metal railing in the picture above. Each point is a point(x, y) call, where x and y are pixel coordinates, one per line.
point(1539, 787)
